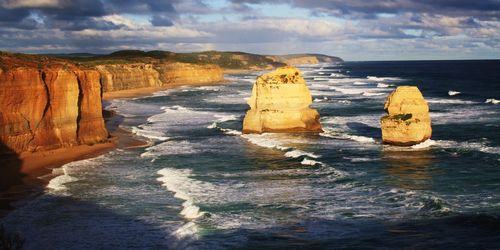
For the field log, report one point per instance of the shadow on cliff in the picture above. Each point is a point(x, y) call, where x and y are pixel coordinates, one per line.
point(111, 118)
point(62, 222)
point(465, 231)
point(10, 168)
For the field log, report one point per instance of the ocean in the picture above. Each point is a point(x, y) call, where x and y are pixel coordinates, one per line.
point(201, 184)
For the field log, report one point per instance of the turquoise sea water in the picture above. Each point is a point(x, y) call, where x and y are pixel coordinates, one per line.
point(204, 185)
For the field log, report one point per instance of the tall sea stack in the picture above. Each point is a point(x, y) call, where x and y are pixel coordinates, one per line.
point(280, 103)
point(407, 121)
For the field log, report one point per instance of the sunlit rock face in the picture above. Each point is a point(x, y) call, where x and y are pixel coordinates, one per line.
point(49, 104)
point(280, 103)
point(407, 121)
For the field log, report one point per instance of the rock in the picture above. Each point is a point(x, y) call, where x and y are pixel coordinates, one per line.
point(48, 104)
point(407, 121)
point(116, 77)
point(280, 103)
point(186, 73)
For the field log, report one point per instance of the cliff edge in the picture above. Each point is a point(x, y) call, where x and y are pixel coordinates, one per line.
point(280, 103)
point(48, 103)
point(407, 121)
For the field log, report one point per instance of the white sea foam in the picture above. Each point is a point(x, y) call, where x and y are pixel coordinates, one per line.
point(360, 138)
point(178, 182)
point(452, 93)
point(264, 141)
point(170, 148)
point(492, 101)
point(298, 153)
point(320, 78)
point(230, 131)
point(337, 75)
point(151, 134)
point(381, 79)
point(58, 182)
point(427, 143)
point(310, 162)
point(448, 101)
point(359, 83)
point(372, 94)
point(348, 91)
point(383, 85)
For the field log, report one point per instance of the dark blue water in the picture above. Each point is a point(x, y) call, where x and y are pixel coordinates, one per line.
point(204, 185)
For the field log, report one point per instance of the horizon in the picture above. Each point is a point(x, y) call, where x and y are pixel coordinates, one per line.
point(403, 30)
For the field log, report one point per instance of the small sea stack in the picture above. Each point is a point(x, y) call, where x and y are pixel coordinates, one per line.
point(407, 121)
point(280, 103)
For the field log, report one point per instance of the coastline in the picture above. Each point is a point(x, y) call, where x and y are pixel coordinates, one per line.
point(36, 167)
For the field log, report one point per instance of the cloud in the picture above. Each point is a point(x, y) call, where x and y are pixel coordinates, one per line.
point(353, 29)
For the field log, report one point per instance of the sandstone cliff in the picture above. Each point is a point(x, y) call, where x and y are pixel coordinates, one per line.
point(48, 104)
point(297, 59)
point(128, 76)
point(407, 121)
point(280, 103)
point(115, 77)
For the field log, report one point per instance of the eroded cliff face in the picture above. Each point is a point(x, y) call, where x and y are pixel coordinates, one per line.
point(49, 105)
point(116, 77)
point(280, 103)
point(178, 73)
point(407, 121)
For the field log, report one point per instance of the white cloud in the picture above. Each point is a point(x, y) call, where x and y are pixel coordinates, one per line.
point(12, 4)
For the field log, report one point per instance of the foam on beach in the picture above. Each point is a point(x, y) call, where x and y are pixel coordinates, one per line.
point(58, 183)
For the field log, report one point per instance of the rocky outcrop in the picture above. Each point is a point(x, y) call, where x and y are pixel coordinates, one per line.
point(178, 73)
point(116, 77)
point(45, 105)
point(407, 121)
point(280, 103)
point(297, 59)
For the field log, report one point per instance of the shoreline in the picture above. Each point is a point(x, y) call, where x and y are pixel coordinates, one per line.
point(35, 168)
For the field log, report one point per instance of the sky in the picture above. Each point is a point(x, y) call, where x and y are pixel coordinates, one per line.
point(352, 29)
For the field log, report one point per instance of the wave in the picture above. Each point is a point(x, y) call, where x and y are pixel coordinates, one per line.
point(261, 140)
point(337, 75)
point(492, 101)
point(298, 153)
point(155, 135)
point(383, 85)
point(58, 182)
point(343, 136)
point(309, 162)
point(452, 93)
point(381, 79)
point(372, 94)
point(448, 101)
point(320, 99)
point(169, 148)
point(320, 78)
point(230, 131)
point(427, 143)
point(360, 83)
point(223, 118)
point(178, 182)
point(347, 91)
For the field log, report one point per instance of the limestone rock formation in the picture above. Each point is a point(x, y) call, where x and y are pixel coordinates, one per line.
point(407, 121)
point(45, 105)
point(179, 73)
point(280, 103)
point(116, 77)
